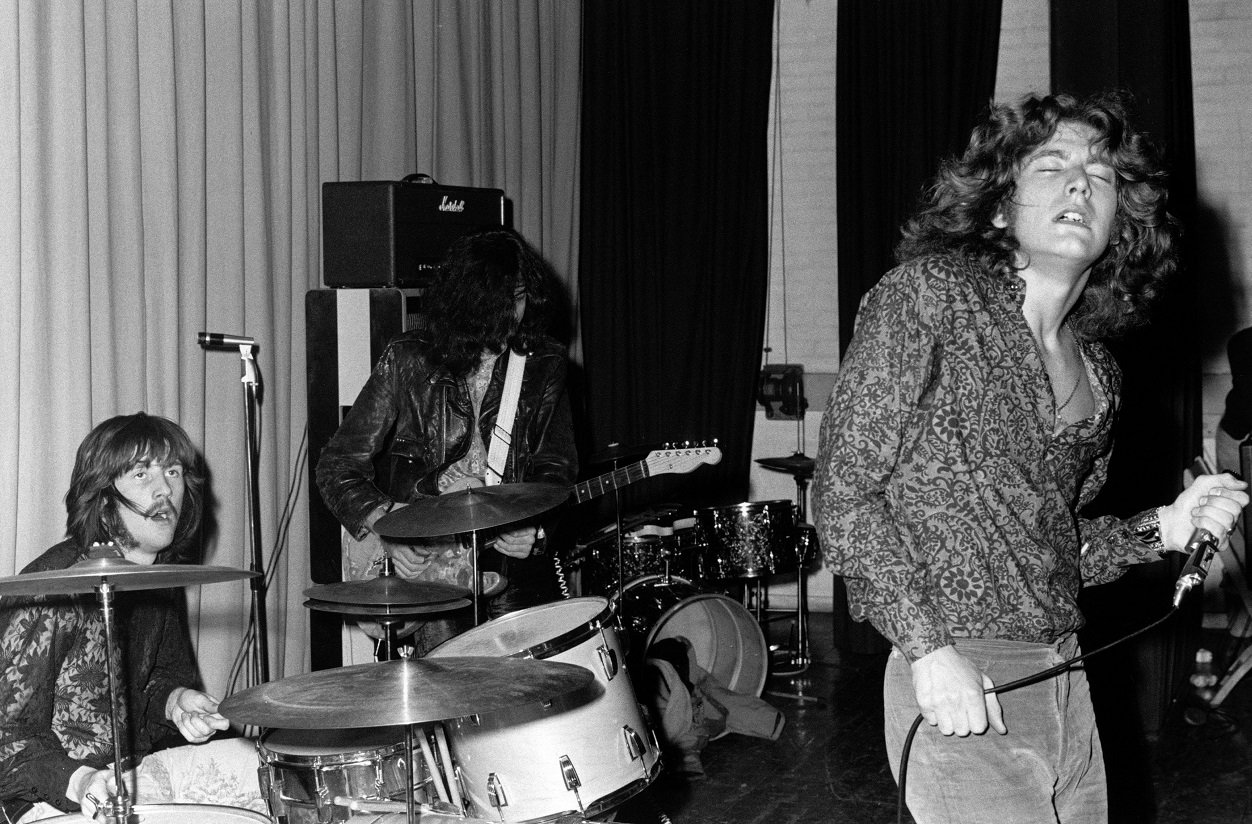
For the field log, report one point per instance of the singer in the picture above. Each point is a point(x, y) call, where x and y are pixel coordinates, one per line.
point(970, 423)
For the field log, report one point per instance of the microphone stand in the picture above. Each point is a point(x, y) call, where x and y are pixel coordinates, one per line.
point(249, 381)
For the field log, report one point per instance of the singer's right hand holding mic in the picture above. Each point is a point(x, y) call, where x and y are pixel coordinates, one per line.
point(1212, 502)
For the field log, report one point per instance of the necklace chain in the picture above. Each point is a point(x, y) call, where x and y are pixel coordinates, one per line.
point(1070, 397)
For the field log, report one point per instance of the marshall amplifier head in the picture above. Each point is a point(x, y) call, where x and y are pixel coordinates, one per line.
point(384, 233)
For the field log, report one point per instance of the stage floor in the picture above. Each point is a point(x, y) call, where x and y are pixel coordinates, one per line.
point(829, 764)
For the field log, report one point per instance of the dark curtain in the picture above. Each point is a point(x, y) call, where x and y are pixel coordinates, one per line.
point(1143, 46)
point(913, 77)
point(673, 236)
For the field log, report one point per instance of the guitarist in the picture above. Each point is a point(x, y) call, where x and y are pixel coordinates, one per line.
point(424, 421)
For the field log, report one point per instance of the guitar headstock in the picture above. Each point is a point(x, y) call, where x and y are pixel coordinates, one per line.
point(679, 460)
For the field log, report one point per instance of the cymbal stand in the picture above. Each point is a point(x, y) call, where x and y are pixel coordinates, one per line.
point(476, 584)
point(117, 809)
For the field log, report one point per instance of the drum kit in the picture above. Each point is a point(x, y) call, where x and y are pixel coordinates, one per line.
point(526, 719)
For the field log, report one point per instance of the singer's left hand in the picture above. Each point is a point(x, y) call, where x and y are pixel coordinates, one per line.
point(1212, 502)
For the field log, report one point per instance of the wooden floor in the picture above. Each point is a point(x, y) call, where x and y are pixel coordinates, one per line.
point(829, 764)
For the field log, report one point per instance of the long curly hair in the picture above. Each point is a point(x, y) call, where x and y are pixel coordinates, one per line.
point(109, 451)
point(957, 208)
point(471, 305)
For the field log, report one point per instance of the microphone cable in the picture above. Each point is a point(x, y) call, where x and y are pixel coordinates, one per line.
point(1056, 669)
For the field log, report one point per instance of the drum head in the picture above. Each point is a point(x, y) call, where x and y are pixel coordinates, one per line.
point(181, 814)
point(727, 641)
point(537, 632)
point(316, 743)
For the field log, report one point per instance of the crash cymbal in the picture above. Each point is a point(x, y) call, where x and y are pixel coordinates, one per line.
point(122, 574)
point(799, 465)
point(469, 510)
point(410, 691)
point(387, 610)
point(390, 590)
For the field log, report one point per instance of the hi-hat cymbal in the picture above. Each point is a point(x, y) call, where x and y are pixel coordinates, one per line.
point(122, 574)
point(799, 465)
point(380, 611)
point(390, 590)
point(470, 510)
point(410, 691)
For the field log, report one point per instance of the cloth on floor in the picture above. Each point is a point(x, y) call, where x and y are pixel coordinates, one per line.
point(693, 707)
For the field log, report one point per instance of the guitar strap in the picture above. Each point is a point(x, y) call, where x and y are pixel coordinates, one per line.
point(501, 433)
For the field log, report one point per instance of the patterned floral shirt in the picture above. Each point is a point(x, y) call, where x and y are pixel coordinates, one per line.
point(944, 493)
point(54, 698)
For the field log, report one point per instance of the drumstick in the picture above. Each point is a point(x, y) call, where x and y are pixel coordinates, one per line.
point(447, 759)
point(433, 767)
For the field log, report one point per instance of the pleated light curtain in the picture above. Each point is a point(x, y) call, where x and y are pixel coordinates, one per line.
point(161, 164)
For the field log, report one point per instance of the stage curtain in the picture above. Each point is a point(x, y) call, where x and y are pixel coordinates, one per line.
point(913, 78)
point(673, 261)
point(160, 174)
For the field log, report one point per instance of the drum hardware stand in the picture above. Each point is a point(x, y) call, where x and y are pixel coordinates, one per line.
point(118, 808)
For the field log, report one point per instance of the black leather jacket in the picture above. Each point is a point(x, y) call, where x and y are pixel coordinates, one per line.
point(416, 418)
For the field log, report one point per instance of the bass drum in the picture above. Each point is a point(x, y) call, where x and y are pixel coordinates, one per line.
point(179, 814)
point(580, 754)
point(726, 640)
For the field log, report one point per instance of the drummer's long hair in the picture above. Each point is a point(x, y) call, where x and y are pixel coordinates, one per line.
point(471, 305)
point(112, 449)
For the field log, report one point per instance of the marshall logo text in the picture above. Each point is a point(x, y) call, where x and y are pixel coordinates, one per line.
point(446, 205)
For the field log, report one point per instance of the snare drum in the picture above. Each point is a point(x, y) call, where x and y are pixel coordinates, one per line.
point(726, 640)
point(303, 771)
point(749, 540)
point(582, 753)
point(179, 814)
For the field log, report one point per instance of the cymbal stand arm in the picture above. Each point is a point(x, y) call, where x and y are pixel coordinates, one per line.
point(118, 807)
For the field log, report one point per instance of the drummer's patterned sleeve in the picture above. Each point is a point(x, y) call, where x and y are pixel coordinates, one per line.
point(885, 372)
point(53, 668)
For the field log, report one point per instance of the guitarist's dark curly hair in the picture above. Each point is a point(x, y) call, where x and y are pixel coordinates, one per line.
point(471, 306)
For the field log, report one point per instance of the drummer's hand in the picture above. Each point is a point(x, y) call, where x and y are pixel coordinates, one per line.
point(195, 714)
point(516, 543)
point(92, 788)
point(409, 560)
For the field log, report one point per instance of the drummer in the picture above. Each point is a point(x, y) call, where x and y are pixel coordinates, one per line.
point(430, 409)
point(136, 492)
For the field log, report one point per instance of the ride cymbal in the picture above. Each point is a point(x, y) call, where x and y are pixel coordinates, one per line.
point(799, 465)
point(469, 510)
point(121, 574)
point(410, 691)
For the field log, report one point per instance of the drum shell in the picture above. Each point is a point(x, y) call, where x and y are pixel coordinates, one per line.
point(601, 730)
point(725, 639)
point(304, 770)
point(179, 814)
point(748, 540)
point(647, 549)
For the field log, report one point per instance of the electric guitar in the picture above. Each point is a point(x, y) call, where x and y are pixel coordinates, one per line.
point(448, 563)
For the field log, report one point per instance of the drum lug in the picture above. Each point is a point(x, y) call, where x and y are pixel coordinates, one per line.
point(495, 791)
point(634, 744)
point(608, 660)
point(572, 781)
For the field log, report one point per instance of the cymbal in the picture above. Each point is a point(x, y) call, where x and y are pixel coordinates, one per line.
point(122, 574)
point(799, 464)
point(620, 453)
point(469, 510)
point(387, 610)
point(390, 590)
point(409, 691)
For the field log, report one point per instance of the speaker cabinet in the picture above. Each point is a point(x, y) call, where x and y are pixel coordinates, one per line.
point(394, 233)
point(346, 331)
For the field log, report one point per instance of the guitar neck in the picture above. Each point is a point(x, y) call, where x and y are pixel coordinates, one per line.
point(606, 483)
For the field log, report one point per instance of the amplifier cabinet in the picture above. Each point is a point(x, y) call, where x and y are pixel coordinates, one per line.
point(384, 233)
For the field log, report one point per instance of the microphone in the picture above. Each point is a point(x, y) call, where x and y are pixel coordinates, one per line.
point(218, 340)
point(1201, 548)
